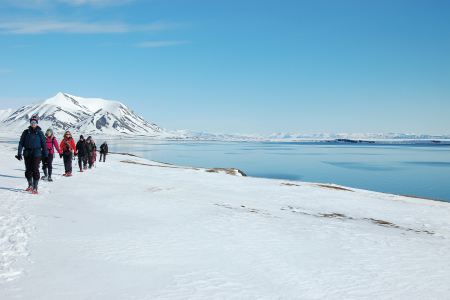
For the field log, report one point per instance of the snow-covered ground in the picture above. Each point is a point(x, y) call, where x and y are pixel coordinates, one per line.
point(137, 229)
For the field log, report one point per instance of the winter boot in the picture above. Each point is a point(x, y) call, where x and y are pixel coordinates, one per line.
point(45, 174)
point(30, 184)
point(49, 175)
point(35, 186)
point(50, 179)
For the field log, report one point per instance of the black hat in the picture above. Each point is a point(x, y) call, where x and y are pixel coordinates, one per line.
point(34, 119)
point(81, 137)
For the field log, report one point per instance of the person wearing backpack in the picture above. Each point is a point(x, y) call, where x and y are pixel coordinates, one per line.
point(34, 147)
point(51, 142)
point(103, 151)
point(82, 150)
point(91, 150)
point(68, 150)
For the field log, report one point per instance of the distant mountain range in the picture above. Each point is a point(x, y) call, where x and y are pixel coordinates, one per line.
point(87, 115)
point(98, 116)
point(302, 136)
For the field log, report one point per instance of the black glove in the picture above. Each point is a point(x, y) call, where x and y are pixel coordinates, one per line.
point(76, 154)
point(60, 156)
point(19, 157)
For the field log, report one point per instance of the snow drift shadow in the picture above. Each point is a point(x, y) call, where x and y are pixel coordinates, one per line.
point(1, 175)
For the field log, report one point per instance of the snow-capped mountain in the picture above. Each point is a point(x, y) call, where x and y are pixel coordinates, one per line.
point(5, 113)
point(124, 121)
point(99, 116)
point(87, 115)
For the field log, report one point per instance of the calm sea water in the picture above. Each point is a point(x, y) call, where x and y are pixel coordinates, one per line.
point(418, 170)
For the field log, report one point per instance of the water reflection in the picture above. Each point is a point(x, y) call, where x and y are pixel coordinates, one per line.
point(362, 166)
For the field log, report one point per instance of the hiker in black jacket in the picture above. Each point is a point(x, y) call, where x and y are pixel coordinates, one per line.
point(34, 147)
point(103, 151)
point(91, 150)
point(82, 150)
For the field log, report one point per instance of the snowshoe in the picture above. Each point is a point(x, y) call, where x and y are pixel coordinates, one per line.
point(28, 189)
point(69, 174)
point(34, 192)
point(81, 171)
point(50, 179)
point(44, 177)
point(64, 174)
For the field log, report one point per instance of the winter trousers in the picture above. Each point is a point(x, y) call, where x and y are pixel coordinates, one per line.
point(82, 161)
point(47, 163)
point(104, 157)
point(68, 161)
point(91, 161)
point(32, 167)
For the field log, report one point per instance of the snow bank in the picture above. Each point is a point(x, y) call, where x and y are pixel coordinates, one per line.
point(138, 229)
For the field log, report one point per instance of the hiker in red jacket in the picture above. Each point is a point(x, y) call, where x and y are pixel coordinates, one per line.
point(68, 150)
point(48, 162)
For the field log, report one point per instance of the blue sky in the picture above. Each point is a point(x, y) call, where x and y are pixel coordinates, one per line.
point(237, 66)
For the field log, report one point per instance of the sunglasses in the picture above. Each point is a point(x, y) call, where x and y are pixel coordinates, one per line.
point(33, 122)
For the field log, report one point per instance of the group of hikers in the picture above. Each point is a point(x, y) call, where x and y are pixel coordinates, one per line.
point(37, 147)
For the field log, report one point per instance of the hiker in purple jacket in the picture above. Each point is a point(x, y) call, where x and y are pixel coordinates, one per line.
point(47, 165)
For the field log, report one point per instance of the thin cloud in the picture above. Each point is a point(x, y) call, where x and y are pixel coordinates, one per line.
point(5, 71)
point(40, 4)
point(53, 26)
point(160, 44)
point(97, 2)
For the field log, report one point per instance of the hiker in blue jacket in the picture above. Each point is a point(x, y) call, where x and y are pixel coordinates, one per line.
point(34, 147)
